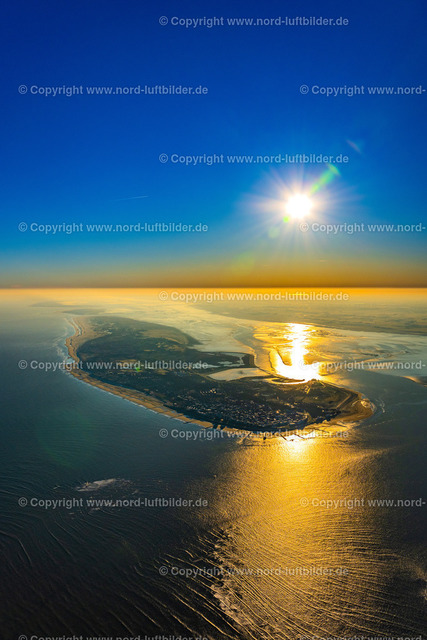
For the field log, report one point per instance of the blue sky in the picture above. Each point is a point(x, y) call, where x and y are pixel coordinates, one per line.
point(85, 158)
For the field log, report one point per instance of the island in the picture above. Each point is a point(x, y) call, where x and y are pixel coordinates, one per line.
point(161, 368)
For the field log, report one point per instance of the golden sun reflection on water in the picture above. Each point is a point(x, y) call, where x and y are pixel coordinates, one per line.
point(287, 560)
point(299, 336)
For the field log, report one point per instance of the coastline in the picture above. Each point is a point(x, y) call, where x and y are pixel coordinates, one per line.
point(362, 407)
point(132, 395)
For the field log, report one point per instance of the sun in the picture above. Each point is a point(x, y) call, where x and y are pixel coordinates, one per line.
point(298, 206)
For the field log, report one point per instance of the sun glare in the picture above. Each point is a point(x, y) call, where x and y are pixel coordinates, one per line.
point(299, 337)
point(298, 206)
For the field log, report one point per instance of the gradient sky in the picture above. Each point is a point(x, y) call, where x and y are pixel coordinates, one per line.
point(87, 159)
